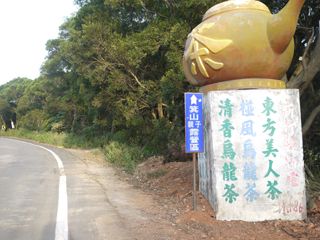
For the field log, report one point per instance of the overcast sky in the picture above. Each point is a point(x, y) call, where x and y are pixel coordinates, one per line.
point(25, 27)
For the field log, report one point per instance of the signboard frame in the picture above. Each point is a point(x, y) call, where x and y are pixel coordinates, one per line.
point(194, 133)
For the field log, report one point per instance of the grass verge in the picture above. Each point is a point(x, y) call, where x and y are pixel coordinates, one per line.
point(42, 137)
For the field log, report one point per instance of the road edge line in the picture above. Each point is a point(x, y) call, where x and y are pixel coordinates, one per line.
point(61, 231)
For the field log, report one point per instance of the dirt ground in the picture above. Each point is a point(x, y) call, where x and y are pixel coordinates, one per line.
point(171, 185)
point(168, 215)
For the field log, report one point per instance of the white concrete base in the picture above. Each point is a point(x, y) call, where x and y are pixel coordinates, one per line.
point(253, 168)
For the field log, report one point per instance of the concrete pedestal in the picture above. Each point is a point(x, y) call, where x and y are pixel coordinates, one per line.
point(253, 168)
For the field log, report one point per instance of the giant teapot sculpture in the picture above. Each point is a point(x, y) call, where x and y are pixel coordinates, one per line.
point(241, 39)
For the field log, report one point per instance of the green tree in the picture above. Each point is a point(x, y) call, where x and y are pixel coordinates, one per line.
point(10, 94)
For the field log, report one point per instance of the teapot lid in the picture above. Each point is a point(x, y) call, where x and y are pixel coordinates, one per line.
point(232, 5)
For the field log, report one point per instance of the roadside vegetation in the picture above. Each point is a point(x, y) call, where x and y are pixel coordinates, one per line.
point(113, 80)
point(117, 152)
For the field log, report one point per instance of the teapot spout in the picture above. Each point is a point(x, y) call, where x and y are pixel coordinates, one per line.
point(281, 26)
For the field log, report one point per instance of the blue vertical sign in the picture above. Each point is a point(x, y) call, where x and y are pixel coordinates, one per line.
point(193, 122)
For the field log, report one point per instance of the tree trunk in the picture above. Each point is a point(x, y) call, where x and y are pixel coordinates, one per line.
point(74, 118)
point(160, 109)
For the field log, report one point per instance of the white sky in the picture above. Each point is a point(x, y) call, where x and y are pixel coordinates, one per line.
point(25, 27)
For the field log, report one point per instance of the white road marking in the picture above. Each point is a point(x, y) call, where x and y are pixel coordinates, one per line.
point(62, 213)
point(61, 232)
point(58, 159)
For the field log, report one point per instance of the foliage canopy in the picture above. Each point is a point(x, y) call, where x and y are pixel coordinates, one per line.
point(116, 69)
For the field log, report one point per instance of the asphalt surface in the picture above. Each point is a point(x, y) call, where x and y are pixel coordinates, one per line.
point(100, 205)
point(29, 179)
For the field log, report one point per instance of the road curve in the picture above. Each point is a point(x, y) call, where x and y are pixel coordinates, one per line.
point(29, 187)
point(101, 206)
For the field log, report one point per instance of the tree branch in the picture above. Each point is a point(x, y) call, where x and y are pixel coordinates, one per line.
point(310, 119)
point(308, 67)
point(136, 79)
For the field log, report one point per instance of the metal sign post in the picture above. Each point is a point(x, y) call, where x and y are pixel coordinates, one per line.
point(194, 194)
point(194, 132)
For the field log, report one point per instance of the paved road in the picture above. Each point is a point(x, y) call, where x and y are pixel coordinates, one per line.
point(29, 180)
point(99, 204)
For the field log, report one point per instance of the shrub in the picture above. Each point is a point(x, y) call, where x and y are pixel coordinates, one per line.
point(57, 127)
point(35, 120)
point(123, 155)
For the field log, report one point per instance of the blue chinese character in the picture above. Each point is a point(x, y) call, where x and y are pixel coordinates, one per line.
point(248, 150)
point(247, 128)
point(251, 194)
point(250, 171)
point(246, 108)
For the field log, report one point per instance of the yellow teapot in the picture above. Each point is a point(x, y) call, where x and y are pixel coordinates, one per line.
point(241, 39)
